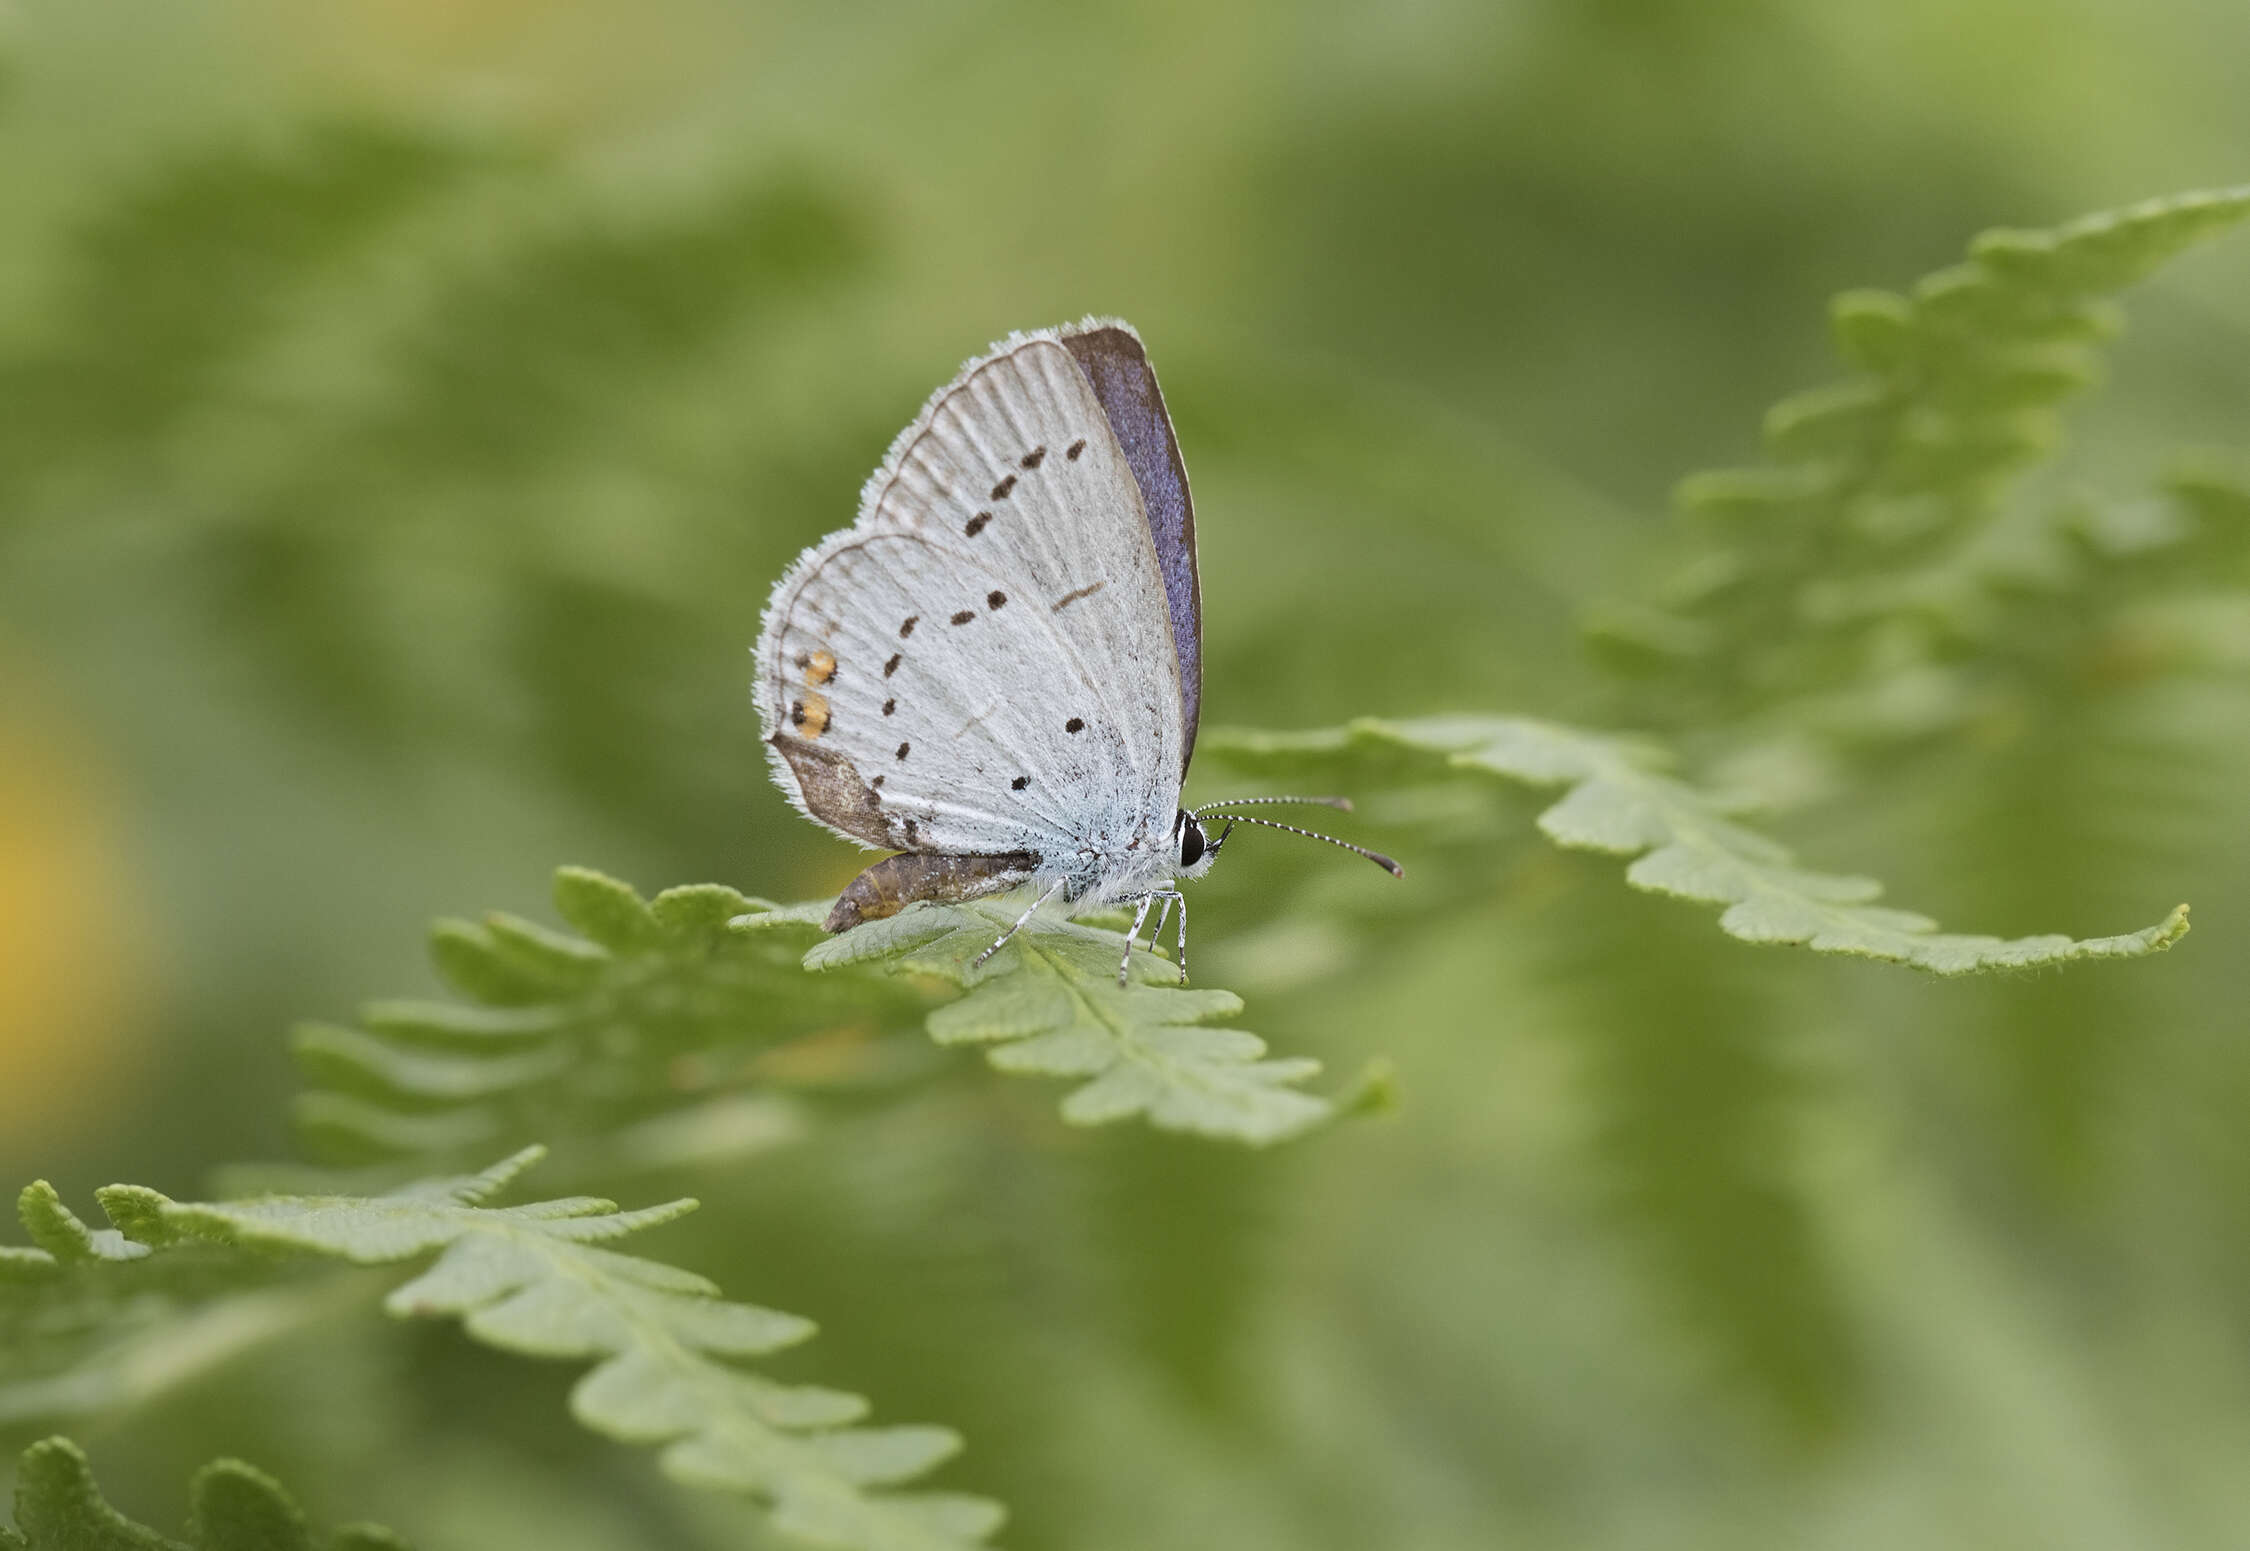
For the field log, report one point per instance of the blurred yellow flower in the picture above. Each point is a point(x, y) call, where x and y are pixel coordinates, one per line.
point(70, 972)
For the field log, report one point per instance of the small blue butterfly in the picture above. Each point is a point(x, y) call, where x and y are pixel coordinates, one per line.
point(998, 669)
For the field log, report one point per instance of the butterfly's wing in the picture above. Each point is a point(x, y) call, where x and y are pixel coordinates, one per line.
point(1111, 356)
point(984, 663)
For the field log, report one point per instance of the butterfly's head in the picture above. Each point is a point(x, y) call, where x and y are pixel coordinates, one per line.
point(1197, 849)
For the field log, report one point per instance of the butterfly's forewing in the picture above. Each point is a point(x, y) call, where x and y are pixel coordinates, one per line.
point(984, 662)
point(1111, 356)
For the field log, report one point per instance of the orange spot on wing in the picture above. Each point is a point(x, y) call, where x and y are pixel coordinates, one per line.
point(809, 715)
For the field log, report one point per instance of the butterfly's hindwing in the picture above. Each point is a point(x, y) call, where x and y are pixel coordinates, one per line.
point(984, 662)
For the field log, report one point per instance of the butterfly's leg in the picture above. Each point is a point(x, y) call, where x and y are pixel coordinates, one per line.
point(1002, 940)
point(1172, 897)
point(1139, 916)
point(1181, 901)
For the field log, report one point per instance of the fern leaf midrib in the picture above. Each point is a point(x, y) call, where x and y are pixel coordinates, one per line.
point(1121, 1030)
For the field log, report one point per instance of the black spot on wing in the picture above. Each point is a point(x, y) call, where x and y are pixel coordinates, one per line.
point(1034, 458)
point(1075, 724)
point(889, 706)
point(902, 748)
point(1076, 448)
point(1019, 783)
point(907, 629)
point(975, 525)
point(891, 667)
point(1000, 491)
point(964, 616)
point(995, 598)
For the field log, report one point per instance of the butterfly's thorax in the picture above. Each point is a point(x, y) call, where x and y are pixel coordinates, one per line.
point(1106, 868)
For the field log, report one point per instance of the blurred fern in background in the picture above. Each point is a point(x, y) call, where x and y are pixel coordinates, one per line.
point(402, 418)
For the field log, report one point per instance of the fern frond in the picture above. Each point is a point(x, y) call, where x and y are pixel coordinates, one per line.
point(1688, 841)
point(92, 1322)
point(656, 1002)
point(320, 352)
point(2185, 615)
point(539, 1280)
point(2037, 607)
point(234, 1507)
point(648, 1005)
point(1878, 504)
point(1049, 1003)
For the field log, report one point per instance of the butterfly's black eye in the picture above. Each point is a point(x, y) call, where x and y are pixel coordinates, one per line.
point(1191, 840)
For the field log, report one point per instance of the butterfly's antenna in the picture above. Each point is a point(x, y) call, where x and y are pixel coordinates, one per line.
point(1343, 804)
point(1377, 857)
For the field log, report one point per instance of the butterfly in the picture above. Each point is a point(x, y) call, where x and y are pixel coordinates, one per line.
point(996, 671)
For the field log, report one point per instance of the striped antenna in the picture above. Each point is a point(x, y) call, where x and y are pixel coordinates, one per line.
point(1377, 857)
point(1342, 804)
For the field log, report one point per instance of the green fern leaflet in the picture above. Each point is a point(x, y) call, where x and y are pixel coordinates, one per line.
point(539, 1281)
point(234, 1507)
point(1049, 1003)
point(1689, 842)
point(1882, 520)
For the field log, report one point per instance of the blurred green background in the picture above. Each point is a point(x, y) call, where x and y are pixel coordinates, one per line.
point(405, 406)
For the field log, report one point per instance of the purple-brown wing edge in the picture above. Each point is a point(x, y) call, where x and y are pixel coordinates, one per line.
point(1110, 354)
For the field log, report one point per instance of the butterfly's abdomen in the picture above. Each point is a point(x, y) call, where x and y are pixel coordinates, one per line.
point(898, 881)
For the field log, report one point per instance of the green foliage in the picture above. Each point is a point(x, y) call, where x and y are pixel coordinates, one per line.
point(178, 281)
point(1689, 1146)
point(93, 1323)
point(432, 463)
point(373, 378)
point(1879, 541)
point(538, 1280)
point(666, 1003)
point(1688, 841)
point(1049, 1004)
point(582, 1035)
point(234, 1507)
point(650, 1006)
